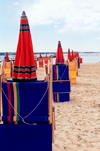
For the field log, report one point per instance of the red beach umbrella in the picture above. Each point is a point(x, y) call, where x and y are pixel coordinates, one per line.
point(46, 60)
point(50, 58)
point(78, 55)
point(40, 61)
point(24, 65)
point(7, 57)
point(40, 55)
point(75, 55)
point(59, 55)
point(68, 56)
point(72, 55)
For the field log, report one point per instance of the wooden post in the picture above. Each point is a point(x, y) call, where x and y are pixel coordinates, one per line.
point(53, 126)
point(48, 66)
point(54, 118)
point(46, 69)
point(50, 94)
point(51, 61)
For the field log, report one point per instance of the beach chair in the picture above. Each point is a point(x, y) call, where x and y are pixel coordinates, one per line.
point(6, 69)
point(28, 116)
point(61, 83)
point(72, 71)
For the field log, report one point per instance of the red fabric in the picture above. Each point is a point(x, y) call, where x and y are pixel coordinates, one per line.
point(35, 63)
point(80, 60)
point(68, 56)
point(72, 55)
point(59, 54)
point(24, 65)
point(40, 61)
point(50, 58)
point(46, 60)
point(40, 55)
point(7, 57)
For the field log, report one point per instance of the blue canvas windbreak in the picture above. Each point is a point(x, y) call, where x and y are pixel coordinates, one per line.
point(24, 97)
point(60, 72)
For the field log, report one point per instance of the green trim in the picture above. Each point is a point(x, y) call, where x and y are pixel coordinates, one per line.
point(58, 74)
point(18, 100)
point(58, 97)
point(27, 29)
point(21, 25)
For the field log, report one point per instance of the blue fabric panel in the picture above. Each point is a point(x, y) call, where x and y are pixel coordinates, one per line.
point(78, 63)
point(4, 100)
point(63, 97)
point(25, 137)
point(59, 87)
point(30, 96)
point(63, 72)
point(28, 119)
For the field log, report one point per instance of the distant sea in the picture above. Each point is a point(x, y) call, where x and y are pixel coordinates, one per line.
point(86, 56)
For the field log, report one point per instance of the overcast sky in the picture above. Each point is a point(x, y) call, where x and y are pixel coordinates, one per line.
point(76, 23)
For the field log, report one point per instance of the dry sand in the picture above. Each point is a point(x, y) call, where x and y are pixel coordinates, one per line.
point(78, 121)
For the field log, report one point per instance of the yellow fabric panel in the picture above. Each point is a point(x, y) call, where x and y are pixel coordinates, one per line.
point(7, 72)
point(8, 65)
point(72, 66)
point(76, 63)
point(73, 74)
point(76, 68)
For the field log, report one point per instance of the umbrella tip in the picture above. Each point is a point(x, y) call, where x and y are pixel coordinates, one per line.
point(23, 14)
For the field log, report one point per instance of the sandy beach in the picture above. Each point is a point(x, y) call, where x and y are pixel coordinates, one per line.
point(78, 121)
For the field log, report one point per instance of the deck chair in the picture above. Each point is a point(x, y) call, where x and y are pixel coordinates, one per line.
point(6, 69)
point(61, 83)
point(27, 116)
point(72, 71)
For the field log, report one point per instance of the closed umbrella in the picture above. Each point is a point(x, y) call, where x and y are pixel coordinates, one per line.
point(6, 57)
point(59, 55)
point(68, 56)
point(24, 65)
